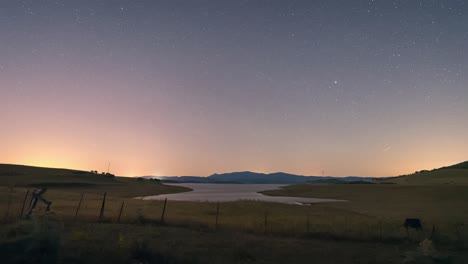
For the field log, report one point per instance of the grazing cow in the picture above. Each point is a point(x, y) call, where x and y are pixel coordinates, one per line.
point(413, 223)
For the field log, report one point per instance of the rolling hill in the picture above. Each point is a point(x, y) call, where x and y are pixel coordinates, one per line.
point(77, 180)
point(462, 165)
point(455, 174)
point(21, 175)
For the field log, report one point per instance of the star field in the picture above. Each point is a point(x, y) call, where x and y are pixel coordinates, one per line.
point(370, 88)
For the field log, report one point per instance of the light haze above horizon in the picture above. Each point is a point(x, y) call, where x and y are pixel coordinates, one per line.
point(193, 88)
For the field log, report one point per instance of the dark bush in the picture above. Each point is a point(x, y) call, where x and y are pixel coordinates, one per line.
point(140, 252)
point(31, 242)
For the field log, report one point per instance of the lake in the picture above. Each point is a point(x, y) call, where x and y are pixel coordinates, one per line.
point(233, 192)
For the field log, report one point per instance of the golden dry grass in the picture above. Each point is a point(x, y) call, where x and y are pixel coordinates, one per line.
point(374, 212)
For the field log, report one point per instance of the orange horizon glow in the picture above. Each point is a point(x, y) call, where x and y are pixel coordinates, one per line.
point(60, 134)
point(129, 171)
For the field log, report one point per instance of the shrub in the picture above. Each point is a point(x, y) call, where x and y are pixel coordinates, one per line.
point(141, 253)
point(31, 242)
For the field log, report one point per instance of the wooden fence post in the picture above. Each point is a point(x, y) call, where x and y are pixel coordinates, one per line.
point(217, 216)
point(78, 207)
point(346, 225)
point(457, 233)
point(266, 222)
point(120, 213)
point(24, 204)
point(380, 230)
point(433, 232)
point(7, 215)
point(101, 214)
point(163, 211)
point(308, 223)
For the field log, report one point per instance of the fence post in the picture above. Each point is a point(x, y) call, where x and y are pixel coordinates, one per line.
point(24, 204)
point(78, 207)
point(266, 222)
point(457, 233)
point(433, 232)
point(346, 225)
point(101, 214)
point(120, 213)
point(7, 215)
point(308, 223)
point(163, 211)
point(380, 230)
point(217, 216)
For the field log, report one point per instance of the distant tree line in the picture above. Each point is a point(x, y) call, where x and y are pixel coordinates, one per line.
point(150, 179)
point(103, 173)
point(421, 171)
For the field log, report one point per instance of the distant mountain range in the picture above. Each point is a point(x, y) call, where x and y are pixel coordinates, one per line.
point(248, 177)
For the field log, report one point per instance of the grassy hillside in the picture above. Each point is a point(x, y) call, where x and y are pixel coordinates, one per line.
point(462, 165)
point(439, 195)
point(453, 175)
point(27, 175)
point(437, 203)
point(261, 232)
point(76, 180)
point(442, 176)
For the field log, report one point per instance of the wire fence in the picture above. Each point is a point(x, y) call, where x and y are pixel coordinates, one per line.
point(248, 216)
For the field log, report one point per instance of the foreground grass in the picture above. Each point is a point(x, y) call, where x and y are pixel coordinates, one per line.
point(246, 231)
point(49, 240)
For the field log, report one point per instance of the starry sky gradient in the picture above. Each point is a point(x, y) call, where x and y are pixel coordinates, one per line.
point(372, 88)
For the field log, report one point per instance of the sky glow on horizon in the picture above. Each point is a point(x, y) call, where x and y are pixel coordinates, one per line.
point(368, 88)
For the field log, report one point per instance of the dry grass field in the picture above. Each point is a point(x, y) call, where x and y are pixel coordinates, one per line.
point(366, 229)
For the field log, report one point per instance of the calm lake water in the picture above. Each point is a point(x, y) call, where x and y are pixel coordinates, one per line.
point(233, 192)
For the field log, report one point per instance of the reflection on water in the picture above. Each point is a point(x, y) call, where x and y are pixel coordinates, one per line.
point(233, 192)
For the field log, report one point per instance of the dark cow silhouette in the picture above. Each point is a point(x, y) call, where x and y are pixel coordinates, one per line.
point(413, 223)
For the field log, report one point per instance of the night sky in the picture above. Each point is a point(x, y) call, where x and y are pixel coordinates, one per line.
point(372, 88)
